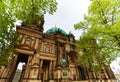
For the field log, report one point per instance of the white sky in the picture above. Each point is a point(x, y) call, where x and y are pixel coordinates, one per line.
point(68, 13)
point(115, 65)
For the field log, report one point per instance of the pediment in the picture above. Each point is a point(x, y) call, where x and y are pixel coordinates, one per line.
point(26, 47)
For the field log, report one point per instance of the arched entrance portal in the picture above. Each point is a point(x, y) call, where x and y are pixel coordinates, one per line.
point(46, 71)
point(16, 74)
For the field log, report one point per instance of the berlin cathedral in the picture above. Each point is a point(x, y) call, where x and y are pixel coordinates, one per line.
point(49, 57)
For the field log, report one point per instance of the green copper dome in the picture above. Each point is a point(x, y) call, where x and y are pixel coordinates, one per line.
point(55, 30)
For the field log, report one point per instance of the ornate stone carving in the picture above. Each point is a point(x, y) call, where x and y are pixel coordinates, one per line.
point(50, 58)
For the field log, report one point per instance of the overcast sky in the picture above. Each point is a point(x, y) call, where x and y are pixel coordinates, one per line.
point(68, 13)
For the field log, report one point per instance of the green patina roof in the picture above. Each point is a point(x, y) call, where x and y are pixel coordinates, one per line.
point(55, 30)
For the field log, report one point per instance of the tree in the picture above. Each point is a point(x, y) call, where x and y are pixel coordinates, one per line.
point(101, 25)
point(32, 11)
point(29, 12)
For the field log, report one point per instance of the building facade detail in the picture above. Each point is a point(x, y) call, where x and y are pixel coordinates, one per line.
point(49, 57)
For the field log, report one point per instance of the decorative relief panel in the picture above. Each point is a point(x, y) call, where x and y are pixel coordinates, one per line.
point(48, 48)
point(28, 42)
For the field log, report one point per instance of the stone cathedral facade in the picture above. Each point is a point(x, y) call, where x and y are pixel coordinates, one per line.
point(49, 57)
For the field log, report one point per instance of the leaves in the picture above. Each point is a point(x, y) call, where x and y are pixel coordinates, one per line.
point(32, 11)
point(8, 40)
point(29, 12)
point(101, 24)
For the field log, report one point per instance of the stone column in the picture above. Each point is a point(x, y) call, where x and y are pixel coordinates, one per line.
point(20, 36)
point(106, 75)
point(77, 71)
point(110, 73)
point(50, 70)
point(45, 77)
point(9, 72)
point(53, 66)
point(23, 40)
point(64, 52)
point(58, 54)
point(85, 73)
point(53, 72)
point(27, 70)
point(36, 43)
point(40, 69)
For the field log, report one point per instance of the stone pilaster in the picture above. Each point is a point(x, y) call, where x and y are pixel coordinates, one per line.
point(27, 69)
point(50, 70)
point(40, 69)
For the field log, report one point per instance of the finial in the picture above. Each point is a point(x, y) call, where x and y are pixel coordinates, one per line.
point(55, 25)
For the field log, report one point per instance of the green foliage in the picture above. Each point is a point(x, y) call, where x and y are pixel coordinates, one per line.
point(7, 45)
point(8, 36)
point(103, 25)
point(32, 11)
point(29, 12)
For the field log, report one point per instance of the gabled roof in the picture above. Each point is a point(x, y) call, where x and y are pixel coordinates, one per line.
point(56, 30)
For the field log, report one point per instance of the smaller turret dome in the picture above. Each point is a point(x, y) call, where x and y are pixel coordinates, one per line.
point(56, 30)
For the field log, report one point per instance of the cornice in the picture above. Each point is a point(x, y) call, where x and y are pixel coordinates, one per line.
point(29, 32)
